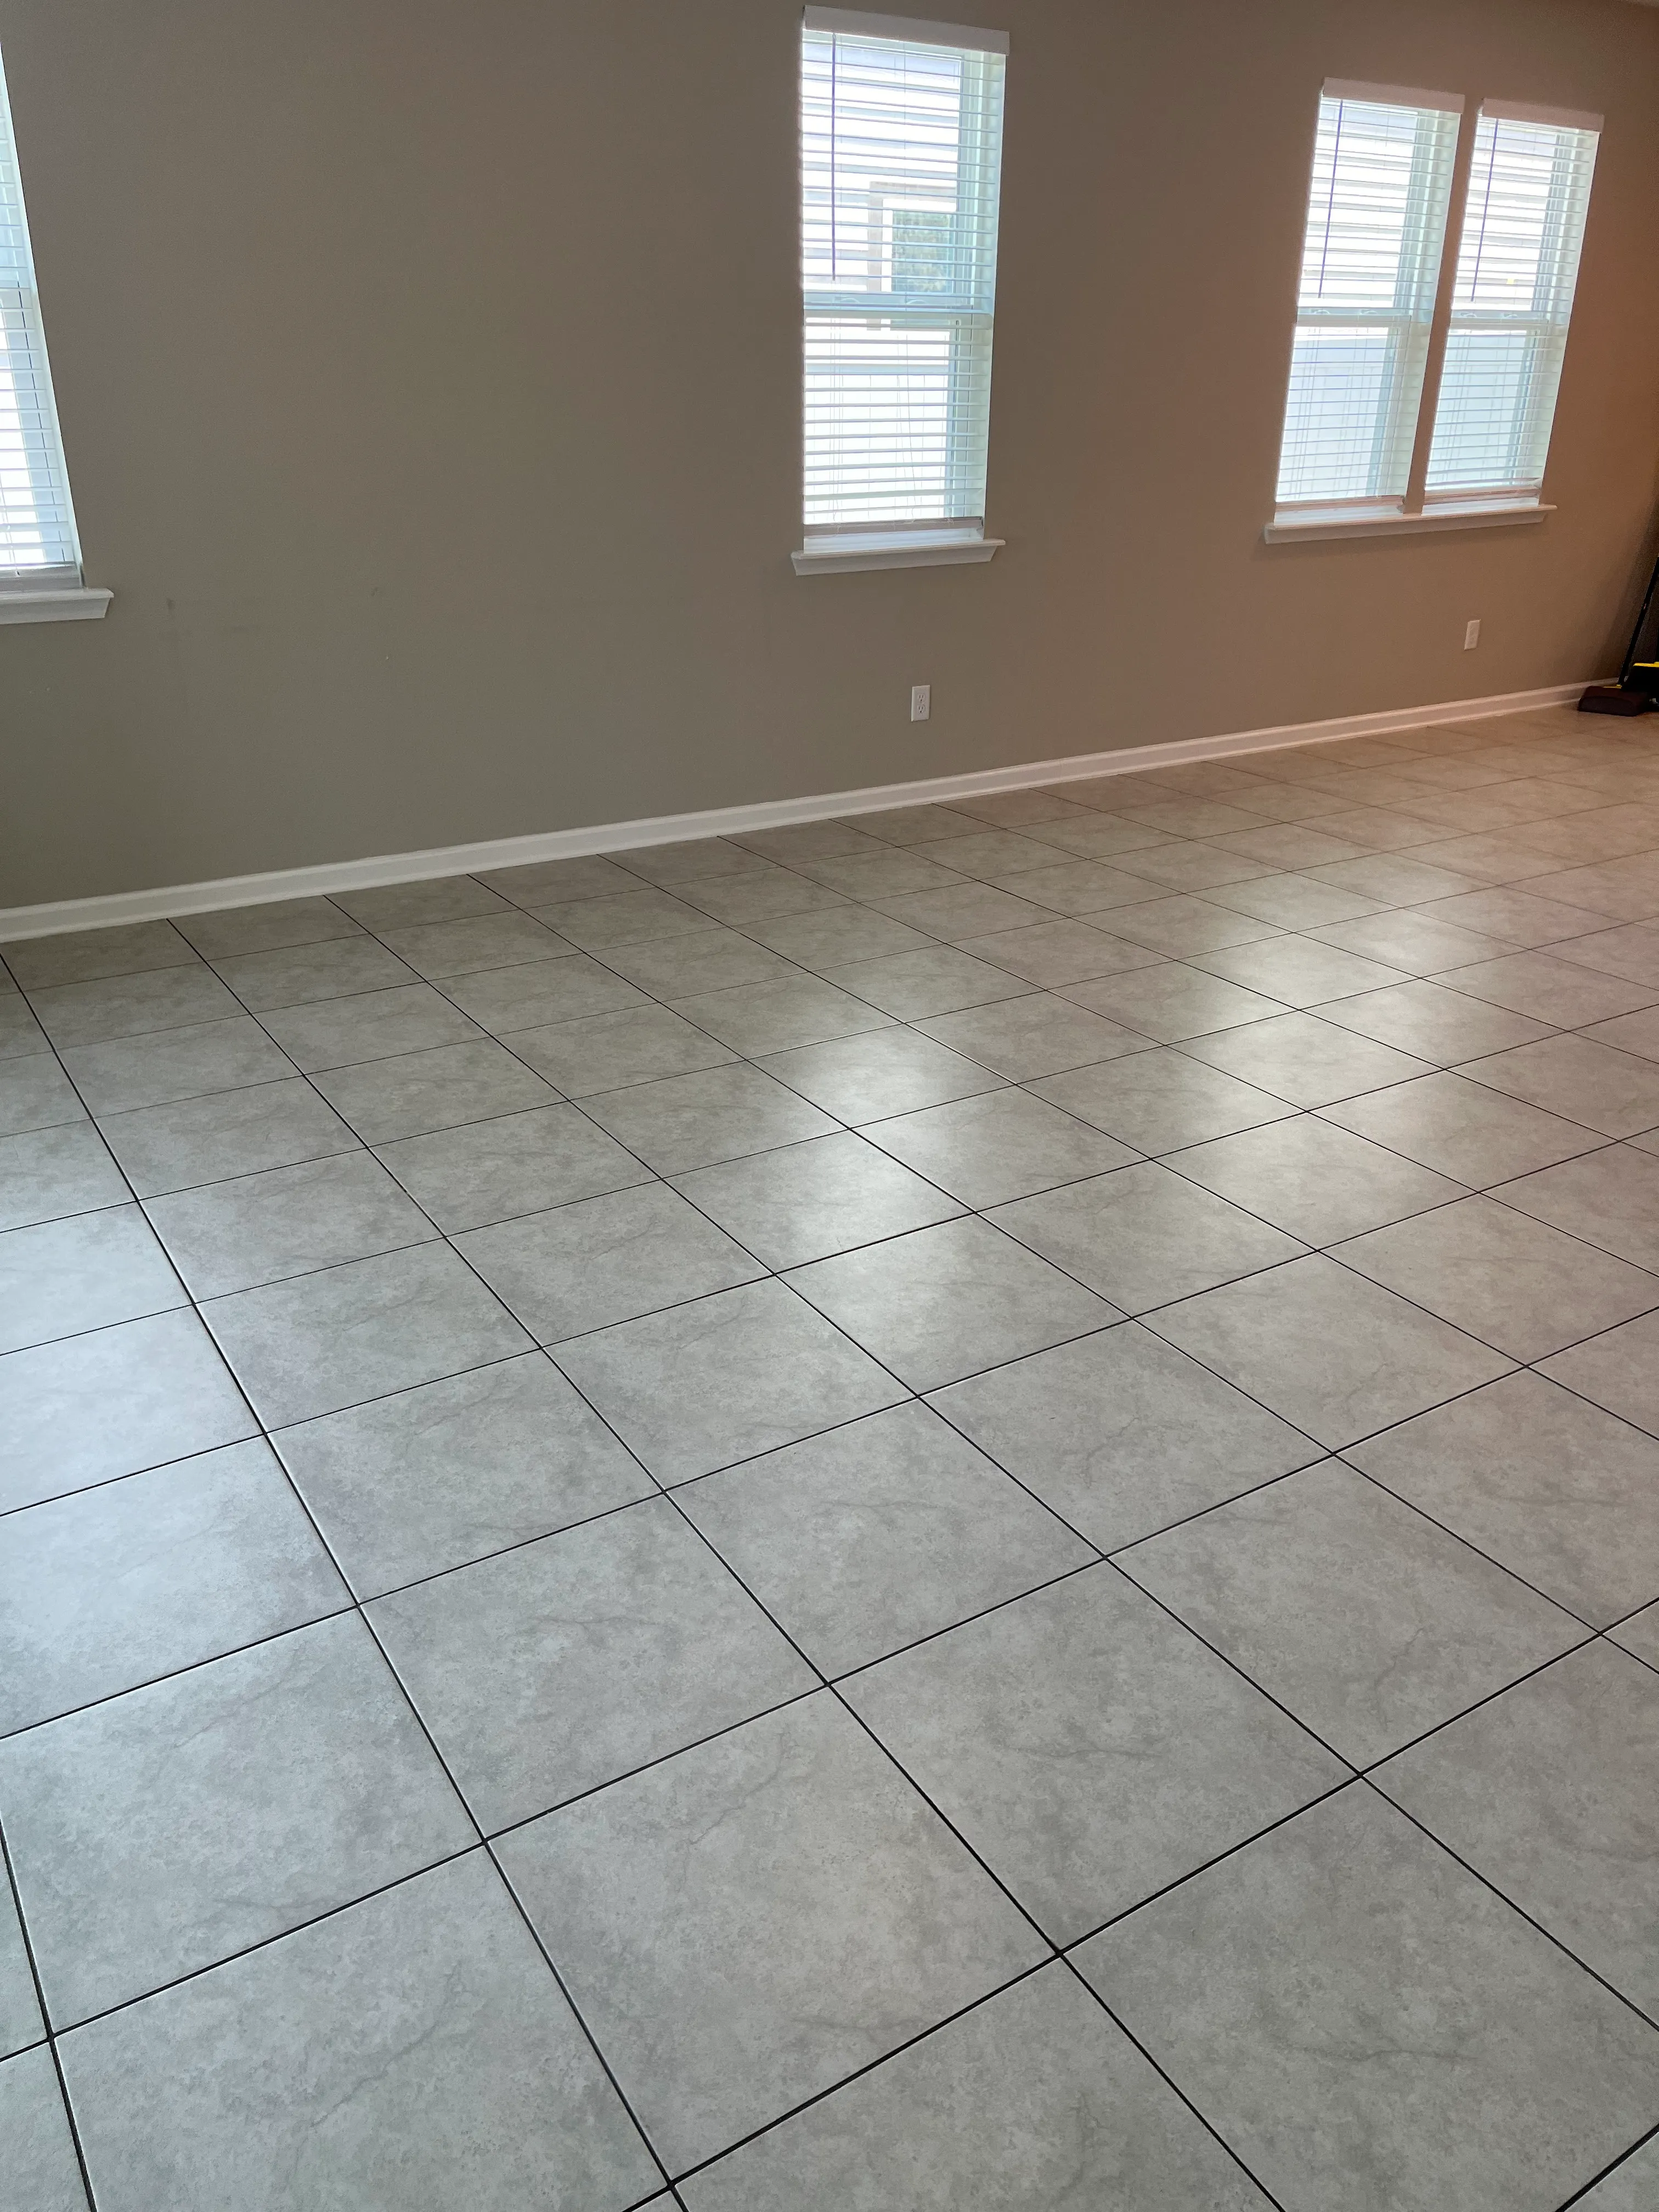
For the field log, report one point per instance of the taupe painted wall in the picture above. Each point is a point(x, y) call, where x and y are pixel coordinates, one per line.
point(428, 374)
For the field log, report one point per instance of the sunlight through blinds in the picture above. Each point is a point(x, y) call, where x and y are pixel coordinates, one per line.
point(37, 523)
point(1370, 262)
point(1517, 264)
point(901, 156)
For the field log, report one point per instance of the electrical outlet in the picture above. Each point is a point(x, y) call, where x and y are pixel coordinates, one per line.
point(1471, 635)
point(921, 701)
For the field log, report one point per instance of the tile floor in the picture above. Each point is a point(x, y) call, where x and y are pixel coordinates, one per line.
point(958, 1509)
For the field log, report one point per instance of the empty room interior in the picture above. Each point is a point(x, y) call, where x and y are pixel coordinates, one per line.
point(829, 1106)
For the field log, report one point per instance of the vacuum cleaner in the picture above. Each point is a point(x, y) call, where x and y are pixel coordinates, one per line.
point(1637, 687)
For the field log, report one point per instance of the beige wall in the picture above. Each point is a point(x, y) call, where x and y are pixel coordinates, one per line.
point(428, 374)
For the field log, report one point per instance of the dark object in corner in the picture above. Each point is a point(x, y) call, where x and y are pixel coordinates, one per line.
point(1637, 687)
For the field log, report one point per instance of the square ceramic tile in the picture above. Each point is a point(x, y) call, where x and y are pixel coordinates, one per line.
point(1547, 989)
point(939, 981)
point(116, 1586)
point(1171, 1001)
point(1618, 1370)
point(173, 1064)
point(1332, 1354)
point(475, 941)
point(1005, 854)
point(891, 1070)
point(1183, 927)
point(970, 909)
point(47, 1173)
point(1184, 864)
point(359, 1331)
point(514, 1165)
point(1356, 1613)
point(1031, 2097)
point(830, 938)
point(1142, 1236)
point(442, 1089)
point(712, 959)
point(1414, 940)
point(263, 928)
point(1267, 1986)
point(1555, 1490)
point(412, 2049)
point(1631, 952)
point(1098, 837)
point(624, 918)
point(1317, 1182)
point(1517, 1284)
point(885, 874)
point(1517, 916)
point(1004, 1145)
point(1609, 1198)
point(1639, 1635)
point(1292, 901)
point(61, 1277)
point(1012, 809)
point(1549, 1791)
point(39, 2149)
point(688, 1122)
point(1158, 1100)
point(742, 899)
point(604, 1260)
point(21, 1034)
point(1051, 953)
point(1463, 1130)
point(878, 1534)
point(942, 1302)
point(437, 1476)
point(1088, 1748)
point(1300, 971)
point(1615, 1092)
point(807, 1200)
point(401, 906)
point(1122, 1434)
point(81, 955)
point(504, 1001)
point(540, 882)
point(295, 975)
point(36, 1094)
point(132, 1005)
point(915, 826)
point(1402, 879)
point(603, 1052)
point(285, 1222)
point(725, 1377)
point(1435, 1023)
point(20, 2024)
point(745, 1925)
point(1309, 1061)
point(1289, 845)
point(228, 1133)
point(1085, 886)
point(165, 1830)
point(777, 1016)
point(90, 1407)
point(1633, 1033)
point(548, 1671)
point(374, 1026)
point(1038, 1035)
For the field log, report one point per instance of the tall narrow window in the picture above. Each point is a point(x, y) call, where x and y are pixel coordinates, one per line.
point(38, 545)
point(901, 161)
point(1523, 223)
point(1371, 262)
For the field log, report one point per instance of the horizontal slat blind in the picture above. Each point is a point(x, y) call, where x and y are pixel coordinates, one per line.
point(1370, 259)
point(1518, 266)
point(900, 156)
point(37, 523)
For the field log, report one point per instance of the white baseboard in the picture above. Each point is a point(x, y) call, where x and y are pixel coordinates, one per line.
point(116, 907)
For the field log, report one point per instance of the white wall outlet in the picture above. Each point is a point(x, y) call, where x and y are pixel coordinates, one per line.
point(1471, 635)
point(921, 701)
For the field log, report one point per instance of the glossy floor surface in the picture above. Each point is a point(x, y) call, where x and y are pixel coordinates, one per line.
point(942, 1513)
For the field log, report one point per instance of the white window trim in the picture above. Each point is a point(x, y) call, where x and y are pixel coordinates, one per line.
point(1367, 520)
point(839, 550)
point(78, 602)
point(914, 31)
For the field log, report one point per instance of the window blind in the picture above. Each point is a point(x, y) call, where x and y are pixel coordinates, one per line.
point(37, 522)
point(901, 161)
point(1517, 266)
point(1370, 262)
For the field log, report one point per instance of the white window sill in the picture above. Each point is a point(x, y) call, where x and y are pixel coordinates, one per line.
point(837, 552)
point(1290, 527)
point(77, 603)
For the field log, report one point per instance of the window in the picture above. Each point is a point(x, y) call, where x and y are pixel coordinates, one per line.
point(901, 159)
point(1523, 223)
point(1384, 311)
point(39, 551)
point(1371, 262)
